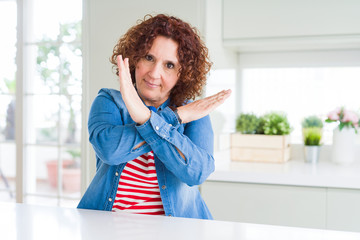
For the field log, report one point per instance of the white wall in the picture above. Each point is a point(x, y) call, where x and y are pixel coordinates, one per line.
point(261, 25)
point(108, 20)
point(222, 57)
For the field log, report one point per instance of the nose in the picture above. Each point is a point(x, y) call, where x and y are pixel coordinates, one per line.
point(155, 71)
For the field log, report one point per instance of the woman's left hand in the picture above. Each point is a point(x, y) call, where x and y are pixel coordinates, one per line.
point(202, 107)
point(137, 110)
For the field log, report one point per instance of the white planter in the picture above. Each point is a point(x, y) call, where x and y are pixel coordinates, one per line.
point(343, 148)
point(312, 154)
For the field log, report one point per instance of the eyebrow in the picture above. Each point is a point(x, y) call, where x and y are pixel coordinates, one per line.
point(176, 61)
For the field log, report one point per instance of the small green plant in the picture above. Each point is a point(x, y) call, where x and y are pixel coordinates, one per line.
point(247, 123)
point(312, 121)
point(312, 136)
point(260, 128)
point(275, 123)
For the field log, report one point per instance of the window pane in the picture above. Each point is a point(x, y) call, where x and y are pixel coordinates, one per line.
point(71, 172)
point(42, 119)
point(301, 92)
point(7, 118)
point(70, 124)
point(223, 118)
point(71, 67)
point(7, 46)
point(41, 170)
point(7, 171)
point(41, 69)
point(48, 15)
point(51, 68)
point(8, 18)
point(55, 65)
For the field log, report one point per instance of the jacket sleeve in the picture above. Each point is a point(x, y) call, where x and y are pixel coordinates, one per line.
point(112, 139)
point(196, 143)
point(112, 132)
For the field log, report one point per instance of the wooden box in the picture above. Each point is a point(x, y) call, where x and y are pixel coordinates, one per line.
point(260, 148)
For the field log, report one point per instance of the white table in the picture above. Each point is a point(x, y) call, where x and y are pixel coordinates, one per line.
point(26, 222)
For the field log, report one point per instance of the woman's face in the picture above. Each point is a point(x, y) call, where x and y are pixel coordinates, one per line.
point(157, 73)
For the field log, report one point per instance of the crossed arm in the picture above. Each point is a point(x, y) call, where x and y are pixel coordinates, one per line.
point(140, 113)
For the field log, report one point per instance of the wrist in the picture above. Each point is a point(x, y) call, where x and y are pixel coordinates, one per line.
point(176, 112)
point(144, 118)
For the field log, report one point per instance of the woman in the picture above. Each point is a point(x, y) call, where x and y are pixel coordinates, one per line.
point(153, 144)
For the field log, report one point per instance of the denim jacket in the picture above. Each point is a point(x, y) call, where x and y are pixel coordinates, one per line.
point(113, 135)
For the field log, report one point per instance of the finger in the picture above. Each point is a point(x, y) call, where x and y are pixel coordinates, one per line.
point(123, 66)
point(218, 99)
point(225, 95)
point(126, 63)
point(120, 64)
point(127, 66)
point(119, 61)
point(219, 94)
point(213, 101)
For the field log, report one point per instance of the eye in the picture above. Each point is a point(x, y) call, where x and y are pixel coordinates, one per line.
point(148, 57)
point(170, 65)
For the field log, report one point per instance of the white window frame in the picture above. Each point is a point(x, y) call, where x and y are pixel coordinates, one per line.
point(22, 18)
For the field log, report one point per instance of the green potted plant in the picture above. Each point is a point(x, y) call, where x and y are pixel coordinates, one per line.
point(312, 121)
point(312, 128)
point(247, 123)
point(312, 136)
point(261, 139)
point(275, 123)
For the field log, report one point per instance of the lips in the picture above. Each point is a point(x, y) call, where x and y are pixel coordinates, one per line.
point(151, 85)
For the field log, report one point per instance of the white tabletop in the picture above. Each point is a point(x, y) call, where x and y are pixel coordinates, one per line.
point(294, 172)
point(27, 222)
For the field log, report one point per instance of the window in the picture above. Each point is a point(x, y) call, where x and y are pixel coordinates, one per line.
point(51, 100)
point(301, 92)
point(53, 66)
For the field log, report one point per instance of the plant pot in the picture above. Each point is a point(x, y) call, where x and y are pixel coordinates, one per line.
point(71, 179)
point(52, 169)
point(343, 148)
point(260, 148)
point(311, 154)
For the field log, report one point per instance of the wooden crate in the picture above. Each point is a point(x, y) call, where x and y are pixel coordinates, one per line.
point(260, 148)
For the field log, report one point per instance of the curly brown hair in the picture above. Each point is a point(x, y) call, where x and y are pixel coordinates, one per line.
point(192, 53)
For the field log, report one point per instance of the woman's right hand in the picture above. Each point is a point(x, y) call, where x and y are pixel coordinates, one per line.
point(137, 110)
point(202, 107)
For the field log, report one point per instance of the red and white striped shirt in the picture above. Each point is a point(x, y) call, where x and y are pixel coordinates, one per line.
point(138, 189)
